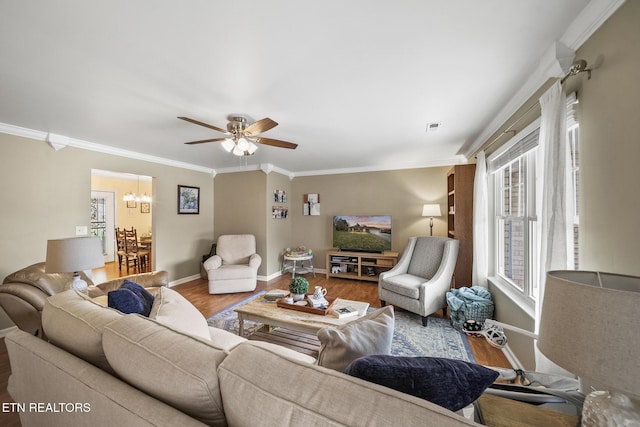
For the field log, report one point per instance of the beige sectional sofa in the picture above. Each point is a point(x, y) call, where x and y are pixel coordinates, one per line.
point(103, 368)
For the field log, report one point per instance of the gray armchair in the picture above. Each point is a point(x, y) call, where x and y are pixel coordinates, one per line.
point(234, 268)
point(422, 277)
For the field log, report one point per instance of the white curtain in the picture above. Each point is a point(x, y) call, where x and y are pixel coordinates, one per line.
point(554, 224)
point(480, 223)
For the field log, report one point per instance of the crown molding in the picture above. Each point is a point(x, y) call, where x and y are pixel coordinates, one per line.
point(586, 23)
point(456, 160)
point(58, 142)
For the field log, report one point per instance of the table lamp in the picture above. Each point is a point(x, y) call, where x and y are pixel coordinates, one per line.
point(589, 327)
point(74, 254)
point(431, 211)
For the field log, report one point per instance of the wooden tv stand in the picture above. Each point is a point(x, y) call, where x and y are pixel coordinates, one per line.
point(359, 265)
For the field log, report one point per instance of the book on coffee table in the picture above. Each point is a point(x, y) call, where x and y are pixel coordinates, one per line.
point(343, 312)
point(360, 306)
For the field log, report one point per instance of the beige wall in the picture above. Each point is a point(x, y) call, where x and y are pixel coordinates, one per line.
point(400, 194)
point(609, 115)
point(44, 194)
point(240, 208)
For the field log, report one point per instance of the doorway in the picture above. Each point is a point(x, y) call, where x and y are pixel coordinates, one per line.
point(103, 214)
point(112, 209)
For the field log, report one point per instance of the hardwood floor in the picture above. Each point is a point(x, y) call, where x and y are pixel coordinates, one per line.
point(196, 291)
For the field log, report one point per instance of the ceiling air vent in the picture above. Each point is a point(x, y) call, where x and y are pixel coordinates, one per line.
point(432, 127)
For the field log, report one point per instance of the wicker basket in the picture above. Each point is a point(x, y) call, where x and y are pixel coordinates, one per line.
point(471, 311)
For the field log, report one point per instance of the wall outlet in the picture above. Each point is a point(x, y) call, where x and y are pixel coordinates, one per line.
point(81, 230)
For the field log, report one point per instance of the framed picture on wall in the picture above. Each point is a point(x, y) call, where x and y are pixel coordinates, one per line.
point(145, 207)
point(132, 204)
point(188, 199)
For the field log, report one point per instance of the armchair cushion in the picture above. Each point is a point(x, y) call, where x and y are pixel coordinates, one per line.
point(426, 257)
point(404, 284)
point(450, 383)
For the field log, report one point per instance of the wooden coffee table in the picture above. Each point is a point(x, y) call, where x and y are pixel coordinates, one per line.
point(267, 312)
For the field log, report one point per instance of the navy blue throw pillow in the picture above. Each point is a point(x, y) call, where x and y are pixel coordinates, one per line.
point(452, 384)
point(142, 293)
point(126, 301)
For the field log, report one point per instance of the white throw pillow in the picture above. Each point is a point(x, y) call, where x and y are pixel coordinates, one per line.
point(371, 334)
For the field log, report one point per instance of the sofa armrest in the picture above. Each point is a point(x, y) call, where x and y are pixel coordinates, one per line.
point(213, 263)
point(146, 280)
point(255, 260)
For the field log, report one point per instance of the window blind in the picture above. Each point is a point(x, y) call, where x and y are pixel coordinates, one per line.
point(518, 149)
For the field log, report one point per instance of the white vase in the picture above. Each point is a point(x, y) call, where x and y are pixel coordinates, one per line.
point(298, 297)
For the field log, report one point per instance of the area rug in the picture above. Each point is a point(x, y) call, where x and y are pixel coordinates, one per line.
point(410, 338)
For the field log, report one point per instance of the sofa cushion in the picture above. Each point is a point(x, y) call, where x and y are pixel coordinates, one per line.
point(174, 367)
point(75, 323)
point(172, 309)
point(371, 334)
point(450, 383)
point(288, 392)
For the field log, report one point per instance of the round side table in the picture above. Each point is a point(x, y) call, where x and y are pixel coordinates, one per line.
point(296, 264)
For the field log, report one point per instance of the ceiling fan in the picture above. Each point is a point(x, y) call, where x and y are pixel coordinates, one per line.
point(242, 136)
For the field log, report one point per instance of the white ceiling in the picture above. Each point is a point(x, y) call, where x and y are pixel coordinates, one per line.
point(354, 83)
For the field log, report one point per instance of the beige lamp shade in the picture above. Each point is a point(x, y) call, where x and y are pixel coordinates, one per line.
point(589, 326)
point(431, 210)
point(73, 254)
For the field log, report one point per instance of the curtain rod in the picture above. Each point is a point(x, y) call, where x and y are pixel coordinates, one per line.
point(579, 66)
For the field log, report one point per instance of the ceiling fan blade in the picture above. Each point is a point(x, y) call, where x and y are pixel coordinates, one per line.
point(260, 126)
point(206, 140)
point(196, 122)
point(276, 143)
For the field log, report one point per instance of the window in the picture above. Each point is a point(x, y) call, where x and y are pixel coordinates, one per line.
point(513, 172)
point(515, 220)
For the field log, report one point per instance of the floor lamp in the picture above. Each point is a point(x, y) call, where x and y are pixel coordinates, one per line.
point(431, 211)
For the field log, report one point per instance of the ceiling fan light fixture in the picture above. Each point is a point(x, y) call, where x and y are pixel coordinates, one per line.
point(252, 148)
point(237, 151)
point(242, 144)
point(228, 145)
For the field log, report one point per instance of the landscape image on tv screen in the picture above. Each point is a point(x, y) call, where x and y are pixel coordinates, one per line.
point(366, 233)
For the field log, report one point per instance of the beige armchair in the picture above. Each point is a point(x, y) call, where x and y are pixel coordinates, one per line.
point(422, 277)
point(234, 267)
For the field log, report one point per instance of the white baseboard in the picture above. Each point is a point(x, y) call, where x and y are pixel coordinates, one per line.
point(184, 280)
point(4, 332)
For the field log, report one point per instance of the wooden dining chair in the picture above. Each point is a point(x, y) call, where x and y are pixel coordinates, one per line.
point(121, 247)
point(134, 253)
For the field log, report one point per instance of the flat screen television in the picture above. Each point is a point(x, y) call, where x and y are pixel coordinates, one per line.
point(362, 233)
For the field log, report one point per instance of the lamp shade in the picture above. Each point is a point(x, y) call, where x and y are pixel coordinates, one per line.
point(73, 254)
point(589, 326)
point(431, 210)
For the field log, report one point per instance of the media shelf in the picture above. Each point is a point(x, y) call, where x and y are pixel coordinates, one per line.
point(359, 265)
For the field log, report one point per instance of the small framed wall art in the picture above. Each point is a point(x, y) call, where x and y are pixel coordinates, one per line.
point(145, 207)
point(188, 199)
point(311, 204)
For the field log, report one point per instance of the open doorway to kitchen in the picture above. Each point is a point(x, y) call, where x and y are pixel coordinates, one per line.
point(121, 200)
